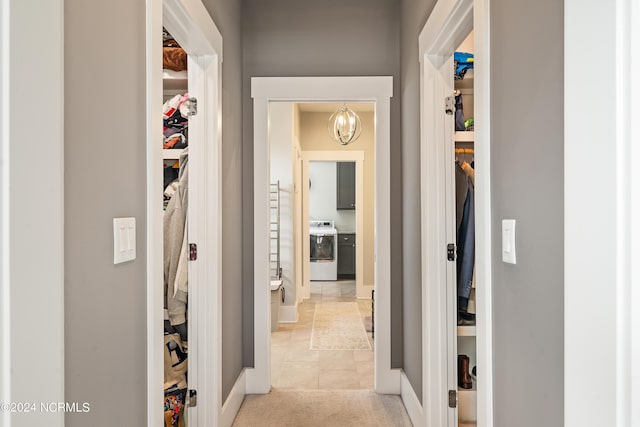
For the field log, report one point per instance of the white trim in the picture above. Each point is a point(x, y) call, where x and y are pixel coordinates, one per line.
point(289, 313)
point(155, 275)
point(434, 295)
point(259, 378)
point(32, 337)
point(189, 22)
point(234, 401)
point(600, 276)
point(482, 153)
point(634, 212)
point(411, 401)
point(306, 266)
point(332, 156)
point(623, 208)
point(340, 156)
point(375, 89)
point(448, 24)
point(205, 218)
point(5, 226)
point(451, 14)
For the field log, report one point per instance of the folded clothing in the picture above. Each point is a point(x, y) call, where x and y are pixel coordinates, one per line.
point(174, 58)
point(175, 115)
point(174, 409)
point(175, 141)
point(175, 104)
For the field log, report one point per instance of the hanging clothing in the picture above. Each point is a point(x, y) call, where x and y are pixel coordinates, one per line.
point(468, 169)
point(176, 248)
point(466, 245)
point(459, 115)
point(461, 192)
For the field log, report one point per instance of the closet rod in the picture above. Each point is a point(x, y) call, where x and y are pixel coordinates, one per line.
point(464, 150)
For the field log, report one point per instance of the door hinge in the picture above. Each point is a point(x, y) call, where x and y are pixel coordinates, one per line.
point(453, 399)
point(449, 105)
point(192, 106)
point(193, 252)
point(451, 252)
point(192, 399)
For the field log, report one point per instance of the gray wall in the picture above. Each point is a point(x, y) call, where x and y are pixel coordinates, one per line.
point(105, 177)
point(527, 185)
point(227, 16)
point(322, 38)
point(414, 15)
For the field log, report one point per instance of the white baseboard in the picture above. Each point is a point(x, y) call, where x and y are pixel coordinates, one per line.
point(234, 401)
point(288, 314)
point(411, 401)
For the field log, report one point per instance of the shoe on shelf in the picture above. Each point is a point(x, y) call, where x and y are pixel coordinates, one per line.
point(464, 377)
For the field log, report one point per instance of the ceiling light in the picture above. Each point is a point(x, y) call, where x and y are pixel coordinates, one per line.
point(345, 126)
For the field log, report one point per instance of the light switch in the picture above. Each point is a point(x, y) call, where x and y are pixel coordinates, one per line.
point(124, 239)
point(509, 241)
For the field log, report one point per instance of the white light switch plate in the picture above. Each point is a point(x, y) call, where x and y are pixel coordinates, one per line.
point(509, 241)
point(124, 239)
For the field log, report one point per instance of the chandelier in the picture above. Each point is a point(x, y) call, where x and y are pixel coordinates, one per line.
point(345, 126)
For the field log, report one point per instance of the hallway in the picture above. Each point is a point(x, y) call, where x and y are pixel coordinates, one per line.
point(321, 387)
point(295, 366)
point(322, 408)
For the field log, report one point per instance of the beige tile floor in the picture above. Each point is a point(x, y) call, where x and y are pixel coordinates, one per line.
point(295, 366)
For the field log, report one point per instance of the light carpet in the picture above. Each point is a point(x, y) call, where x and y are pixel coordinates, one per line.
point(322, 408)
point(338, 326)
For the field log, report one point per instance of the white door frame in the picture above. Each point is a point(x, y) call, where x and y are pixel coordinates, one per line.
point(602, 234)
point(358, 157)
point(326, 89)
point(32, 321)
point(191, 25)
point(449, 23)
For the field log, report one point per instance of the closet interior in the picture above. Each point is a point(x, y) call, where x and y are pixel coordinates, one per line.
point(465, 234)
point(175, 121)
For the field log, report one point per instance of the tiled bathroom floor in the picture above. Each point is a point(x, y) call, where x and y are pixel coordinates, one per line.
point(295, 366)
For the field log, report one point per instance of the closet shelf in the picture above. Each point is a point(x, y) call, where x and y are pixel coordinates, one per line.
point(466, 331)
point(464, 136)
point(174, 80)
point(172, 154)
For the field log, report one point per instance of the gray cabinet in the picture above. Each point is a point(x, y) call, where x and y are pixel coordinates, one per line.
point(347, 256)
point(346, 185)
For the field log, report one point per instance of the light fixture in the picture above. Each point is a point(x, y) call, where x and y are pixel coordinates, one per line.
point(345, 125)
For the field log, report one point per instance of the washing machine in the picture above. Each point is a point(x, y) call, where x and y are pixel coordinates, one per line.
point(323, 240)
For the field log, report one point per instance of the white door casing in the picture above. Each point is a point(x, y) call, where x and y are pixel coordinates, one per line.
point(32, 282)
point(601, 240)
point(190, 24)
point(449, 23)
point(325, 89)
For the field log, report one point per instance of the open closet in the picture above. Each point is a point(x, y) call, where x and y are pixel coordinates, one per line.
point(184, 215)
point(175, 122)
point(464, 188)
point(455, 215)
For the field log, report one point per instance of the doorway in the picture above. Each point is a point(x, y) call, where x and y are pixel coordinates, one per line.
point(448, 26)
point(321, 333)
point(190, 25)
point(377, 90)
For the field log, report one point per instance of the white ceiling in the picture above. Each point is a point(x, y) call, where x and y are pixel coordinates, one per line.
point(330, 107)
